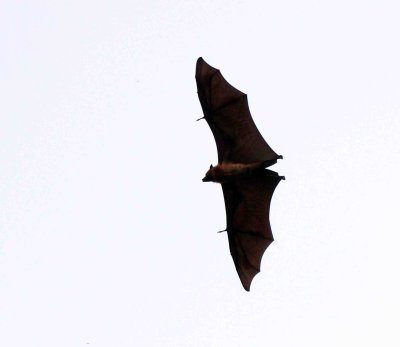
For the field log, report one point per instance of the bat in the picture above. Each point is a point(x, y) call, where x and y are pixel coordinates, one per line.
point(243, 156)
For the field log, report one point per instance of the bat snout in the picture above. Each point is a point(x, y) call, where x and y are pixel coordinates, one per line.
point(206, 179)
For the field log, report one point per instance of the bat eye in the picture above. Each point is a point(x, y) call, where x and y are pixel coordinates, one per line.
point(211, 166)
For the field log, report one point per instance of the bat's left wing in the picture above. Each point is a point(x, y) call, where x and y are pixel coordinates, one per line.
point(247, 203)
point(227, 112)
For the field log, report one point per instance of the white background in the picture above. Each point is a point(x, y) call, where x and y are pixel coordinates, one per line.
point(107, 234)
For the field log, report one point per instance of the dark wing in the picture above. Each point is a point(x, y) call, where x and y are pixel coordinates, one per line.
point(247, 203)
point(227, 113)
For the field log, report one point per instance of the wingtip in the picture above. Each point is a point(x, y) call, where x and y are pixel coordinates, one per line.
point(200, 61)
point(247, 279)
point(202, 67)
point(246, 284)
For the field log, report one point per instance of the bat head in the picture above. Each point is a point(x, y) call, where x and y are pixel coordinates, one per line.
point(209, 175)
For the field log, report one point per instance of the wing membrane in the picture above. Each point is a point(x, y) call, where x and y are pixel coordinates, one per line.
point(227, 112)
point(247, 203)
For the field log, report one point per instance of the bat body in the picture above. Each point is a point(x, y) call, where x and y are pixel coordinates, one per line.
point(243, 155)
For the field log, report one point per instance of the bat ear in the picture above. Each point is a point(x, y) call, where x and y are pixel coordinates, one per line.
point(211, 166)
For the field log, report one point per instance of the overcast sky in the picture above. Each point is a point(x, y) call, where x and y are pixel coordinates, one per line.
point(107, 234)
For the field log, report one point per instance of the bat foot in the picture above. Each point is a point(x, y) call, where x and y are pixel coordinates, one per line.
point(280, 157)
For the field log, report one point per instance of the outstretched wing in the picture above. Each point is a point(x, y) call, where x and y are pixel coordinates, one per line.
point(247, 203)
point(227, 113)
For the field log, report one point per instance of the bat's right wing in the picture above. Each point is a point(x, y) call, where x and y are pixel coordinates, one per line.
point(247, 203)
point(227, 112)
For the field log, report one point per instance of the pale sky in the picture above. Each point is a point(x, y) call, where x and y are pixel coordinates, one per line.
point(107, 234)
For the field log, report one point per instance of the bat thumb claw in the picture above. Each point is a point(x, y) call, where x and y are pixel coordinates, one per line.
point(218, 232)
point(199, 119)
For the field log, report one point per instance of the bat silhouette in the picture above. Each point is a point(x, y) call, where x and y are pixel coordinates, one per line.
point(243, 155)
